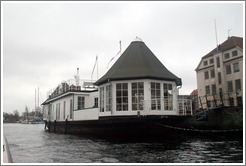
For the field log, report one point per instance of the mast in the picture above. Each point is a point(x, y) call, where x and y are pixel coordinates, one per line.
point(35, 99)
point(38, 97)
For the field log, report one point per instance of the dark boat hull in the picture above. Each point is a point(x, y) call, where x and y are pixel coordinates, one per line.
point(220, 120)
point(118, 126)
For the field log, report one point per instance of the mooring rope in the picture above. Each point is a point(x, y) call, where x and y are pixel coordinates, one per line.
point(197, 130)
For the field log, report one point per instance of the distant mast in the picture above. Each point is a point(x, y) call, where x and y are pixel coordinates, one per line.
point(35, 99)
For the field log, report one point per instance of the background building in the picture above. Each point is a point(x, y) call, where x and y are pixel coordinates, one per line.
point(220, 75)
point(195, 102)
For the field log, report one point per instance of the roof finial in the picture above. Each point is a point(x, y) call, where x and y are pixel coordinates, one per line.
point(137, 39)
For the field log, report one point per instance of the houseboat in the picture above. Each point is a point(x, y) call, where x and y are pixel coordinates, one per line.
point(138, 95)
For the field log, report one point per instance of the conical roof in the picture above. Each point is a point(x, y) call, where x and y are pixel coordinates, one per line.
point(138, 62)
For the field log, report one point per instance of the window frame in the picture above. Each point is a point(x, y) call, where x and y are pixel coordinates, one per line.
point(122, 100)
point(80, 102)
point(155, 95)
point(234, 53)
point(137, 90)
point(206, 75)
point(228, 69)
point(227, 55)
point(236, 67)
point(229, 86)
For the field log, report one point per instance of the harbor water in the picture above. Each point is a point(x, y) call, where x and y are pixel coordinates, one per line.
point(30, 143)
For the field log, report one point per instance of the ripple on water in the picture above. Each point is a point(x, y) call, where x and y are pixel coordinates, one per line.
point(30, 144)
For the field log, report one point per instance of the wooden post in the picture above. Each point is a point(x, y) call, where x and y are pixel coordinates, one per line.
point(200, 101)
point(221, 99)
point(55, 126)
point(215, 102)
point(66, 126)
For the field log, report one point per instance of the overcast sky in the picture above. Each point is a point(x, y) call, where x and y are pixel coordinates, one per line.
point(43, 43)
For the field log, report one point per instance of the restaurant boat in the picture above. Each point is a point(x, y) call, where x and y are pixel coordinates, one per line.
point(137, 96)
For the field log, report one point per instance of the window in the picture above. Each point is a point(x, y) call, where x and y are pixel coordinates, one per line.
point(205, 63)
point(234, 53)
point(71, 109)
point(95, 102)
point(102, 99)
point(238, 84)
point(137, 95)
point(218, 62)
point(213, 89)
point(155, 96)
point(206, 75)
point(227, 56)
point(108, 98)
point(64, 110)
point(219, 77)
point(211, 61)
point(207, 89)
point(228, 69)
point(212, 73)
point(81, 102)
point(236, 67)
point(168, 96)
point(122, 97)
point(229, 86)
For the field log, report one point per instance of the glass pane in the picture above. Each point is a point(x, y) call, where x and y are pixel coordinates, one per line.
point(125, 107)
point(134, 85)
point(125, 93)
point(118, 100)
point(152, 93)
point(140, 85)
point(118, 93)
point(140, 92)
point(134, 106)
point(125, 100)
point(125, 86)
point(170, 87)
point(134, 100)
point(118, 86)
point(134, 93)
point(152, 85)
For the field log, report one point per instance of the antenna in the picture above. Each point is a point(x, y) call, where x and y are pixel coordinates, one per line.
point(229, 32)
point(216, 34)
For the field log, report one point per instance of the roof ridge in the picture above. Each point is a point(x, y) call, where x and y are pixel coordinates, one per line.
point(231, 42)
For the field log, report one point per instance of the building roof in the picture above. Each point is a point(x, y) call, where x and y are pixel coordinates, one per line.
point(138, 62)
point(231, 42)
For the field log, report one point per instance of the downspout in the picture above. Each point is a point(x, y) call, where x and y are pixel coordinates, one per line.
point(177, 104)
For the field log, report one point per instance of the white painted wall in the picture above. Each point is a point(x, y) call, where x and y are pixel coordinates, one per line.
point(87, 114)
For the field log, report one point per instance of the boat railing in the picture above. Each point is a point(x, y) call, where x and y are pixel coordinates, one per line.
point(71, 85)
point(211, 101)
point(183, 106)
